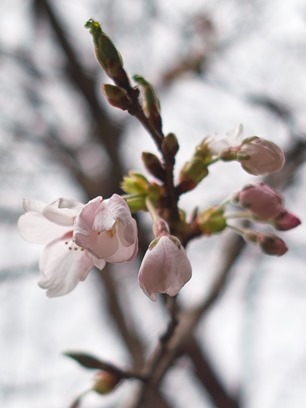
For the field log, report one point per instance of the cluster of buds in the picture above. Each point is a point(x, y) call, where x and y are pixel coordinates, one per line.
point(256, 155)
point(263, 204)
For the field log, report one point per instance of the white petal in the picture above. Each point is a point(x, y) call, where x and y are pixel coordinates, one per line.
point(63, 211)
point(34, 227)
point(33, 205)
point(99, 263)
point(62, 267)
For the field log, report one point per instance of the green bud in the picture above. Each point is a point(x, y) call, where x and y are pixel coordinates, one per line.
point(170, 145)
point(116, 96)
point(135, 183)
point(136, 203)
point(212, 221)
point(105, 382)
point(153, 165)
point(192, 173)
point(203, 152)
point(107, 55)
point(151, 105)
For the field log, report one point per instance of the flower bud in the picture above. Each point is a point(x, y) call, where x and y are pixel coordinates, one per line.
point(260, 157)
point(261, 200)
point(107, 55)
point(170, 145)
point(212, 221)
point(192, 173)
point(151, 105)
point(135, 183)
point(285, 221)
point(116, 96)
point(153, 165)
point(165, 267)
point(269, 243)
point(105, 382)
point(272, 245)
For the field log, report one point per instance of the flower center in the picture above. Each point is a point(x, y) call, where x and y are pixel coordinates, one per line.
point(72, 246)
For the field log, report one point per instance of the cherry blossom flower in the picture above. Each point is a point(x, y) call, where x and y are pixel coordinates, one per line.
point(107, 230)
point(63, 263)
point(62, 224)
point(261, 200)
point(165, 267)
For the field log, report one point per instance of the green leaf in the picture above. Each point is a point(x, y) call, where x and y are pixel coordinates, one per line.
point(89, 361)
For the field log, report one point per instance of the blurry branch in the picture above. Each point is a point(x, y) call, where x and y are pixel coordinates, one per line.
point(107, 133)
point(127, 330)
point(17, 272)
point(196, 57)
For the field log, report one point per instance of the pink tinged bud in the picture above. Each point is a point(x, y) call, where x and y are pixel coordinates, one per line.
point(264, 202)
point(269, 243)
point(260, 157)
point(165, 267)
point(272, 245)
point(285, 221)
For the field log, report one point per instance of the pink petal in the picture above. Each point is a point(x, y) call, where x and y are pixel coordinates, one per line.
point(165, 268)
point(34, 227)
point(101, 245)
point(63, 211)
point(124, 253)
point(62, 266)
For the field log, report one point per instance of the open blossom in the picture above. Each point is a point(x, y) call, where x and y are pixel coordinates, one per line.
point(63, 262)
point(107, 230)
point(165, 267)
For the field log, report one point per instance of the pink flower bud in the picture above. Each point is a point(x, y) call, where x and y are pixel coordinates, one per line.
point(272, 245)
point(269, 243)
point(165, 267)
point(260, 157)
point(264, 202)
point(285, 221)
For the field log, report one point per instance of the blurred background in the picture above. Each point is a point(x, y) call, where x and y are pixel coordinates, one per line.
point(215, 64)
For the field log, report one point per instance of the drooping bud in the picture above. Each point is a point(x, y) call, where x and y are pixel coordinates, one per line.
point(107, 55)
point(261, 200)
point(212, 221)
point(151, 104)
point(269, 243)
point(165, 267)
point(170, 145)
point(260, 157)
point(153, 165)
point(116, 96)
point(105, 382)
point(191, 174)
point(285, 221)
point(272, 245)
